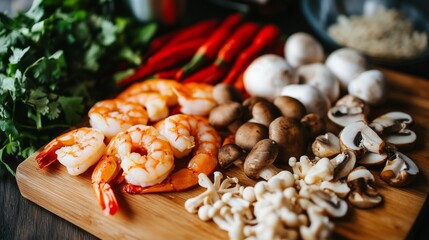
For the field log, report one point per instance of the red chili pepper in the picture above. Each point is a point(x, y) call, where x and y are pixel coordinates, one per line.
point(165, 59)
point(159, 42)
point(236, 43)
point(209, 50)
point(266, 37)
point(211, 75)
point(166, 74)
point(203, 28)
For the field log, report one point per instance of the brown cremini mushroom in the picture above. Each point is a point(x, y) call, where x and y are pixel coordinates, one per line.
point(264, 112)
point(290, 107)
point(225, 114)
point(314, 125)
point(230, 154)
point(258, 163)
point(223, 93)
point(249, 134)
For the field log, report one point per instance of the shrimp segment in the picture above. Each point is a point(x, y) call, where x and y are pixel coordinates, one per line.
point(141, 154)
point(113, 116)
point(77, 150)
point(155, 94)
point(195, 98)
point(184, 132)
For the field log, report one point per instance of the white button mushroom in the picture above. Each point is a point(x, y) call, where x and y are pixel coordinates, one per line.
point(267, 75)
point(346, 64)
point(369, 86)
point(301, 48)
point(313, 100)
point(319, 76)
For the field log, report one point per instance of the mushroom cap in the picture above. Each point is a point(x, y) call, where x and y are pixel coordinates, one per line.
point(301, 48)
point(260, 157)
point(314, 125)
point(224, 114)
point(346, 64)
point(264, 112)
point(290, 107)
point(267, 75)
point(319, 76)
point(369, 86)
point(224, 92)
point(313, 100)
point(249, 134)
point(372, 159)
point(230, 153)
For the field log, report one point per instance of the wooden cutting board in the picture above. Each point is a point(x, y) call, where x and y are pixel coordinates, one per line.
point(162, 216)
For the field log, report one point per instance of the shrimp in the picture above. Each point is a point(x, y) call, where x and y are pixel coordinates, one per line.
point(195, 98)
point(185, 133)
point(113, 116)
point(155, 104)
point(141, 153)
point(77, 150)
point(155, 94)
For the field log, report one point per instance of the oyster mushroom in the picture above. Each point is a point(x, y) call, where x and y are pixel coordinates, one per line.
point(319, 76)
point(394, 128)
point(362, 194)
point(369, 86)
point(326, 145)
point(348, 109)
point(358, 137)
point(258, 163)
point(400, 170)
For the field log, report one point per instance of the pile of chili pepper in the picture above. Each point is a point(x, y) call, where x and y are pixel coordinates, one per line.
point(208, 52)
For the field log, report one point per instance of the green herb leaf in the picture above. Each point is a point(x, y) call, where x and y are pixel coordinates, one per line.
point(73, 108)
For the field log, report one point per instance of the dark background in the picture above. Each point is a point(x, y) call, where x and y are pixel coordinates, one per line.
point(21, 219)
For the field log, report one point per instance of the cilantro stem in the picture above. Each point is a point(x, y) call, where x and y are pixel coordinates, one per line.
point(52, 126)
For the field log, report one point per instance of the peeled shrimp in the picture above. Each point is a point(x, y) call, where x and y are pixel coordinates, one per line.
point(155, 94)
point(186, 133)
point(195, 98)
point(114, 115)
point(77, 150)
point(143, 156)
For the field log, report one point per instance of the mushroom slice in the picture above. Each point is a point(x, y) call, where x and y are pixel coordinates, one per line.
point(372, 159)
point(338, 187)
point(393, 127)
point(400, 170)
point(358, 136)
point(326, 145)
point(347, 110)
point(333, 205)
point(363, 194)
point(343, 164)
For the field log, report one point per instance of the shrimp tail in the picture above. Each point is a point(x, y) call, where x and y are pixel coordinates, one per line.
point(47, 156)
point(106, 197)
point(181, 180)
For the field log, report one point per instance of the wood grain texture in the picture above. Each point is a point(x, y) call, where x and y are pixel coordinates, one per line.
point(162, 216)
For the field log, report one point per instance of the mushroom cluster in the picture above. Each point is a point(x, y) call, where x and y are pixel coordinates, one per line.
point(262, 132)
point(273, 209)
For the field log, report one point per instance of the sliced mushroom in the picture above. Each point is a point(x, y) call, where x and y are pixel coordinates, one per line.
point(314, 125)
point(363, 194)
point(400, 170)
point(326, 145)
point(343, 164)
point(334, 206)
point(339, 187)
point(358, 136)
point(393, 127)
point(231, 154)
point(258, 163)
point(347, 110)
point(372, 159)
